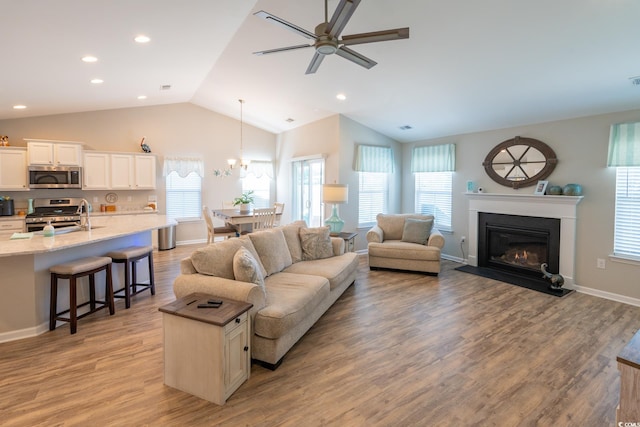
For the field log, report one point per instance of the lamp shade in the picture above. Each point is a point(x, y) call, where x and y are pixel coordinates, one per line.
point(335, 193)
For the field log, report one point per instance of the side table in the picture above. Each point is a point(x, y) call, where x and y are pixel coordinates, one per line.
point(349, 240)
point(206, 350)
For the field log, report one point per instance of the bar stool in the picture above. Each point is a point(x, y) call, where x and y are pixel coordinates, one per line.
point(71, 271)
point(130, 256)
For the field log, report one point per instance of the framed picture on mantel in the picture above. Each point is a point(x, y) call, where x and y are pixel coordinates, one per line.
point(541, 188)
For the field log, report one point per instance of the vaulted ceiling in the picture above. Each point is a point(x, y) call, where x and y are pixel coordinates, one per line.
point(468, 65)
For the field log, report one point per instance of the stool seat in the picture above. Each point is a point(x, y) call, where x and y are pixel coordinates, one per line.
point(80, 265)
point(71, 271)
point(129, 256)
point(130, 252)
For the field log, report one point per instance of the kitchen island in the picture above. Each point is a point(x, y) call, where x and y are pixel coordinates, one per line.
point(24, 267)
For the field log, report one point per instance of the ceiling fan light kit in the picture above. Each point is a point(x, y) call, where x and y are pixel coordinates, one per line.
point(326, 37)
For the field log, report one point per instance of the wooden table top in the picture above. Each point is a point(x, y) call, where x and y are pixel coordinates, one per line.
point(630, 354)
point(188, 307)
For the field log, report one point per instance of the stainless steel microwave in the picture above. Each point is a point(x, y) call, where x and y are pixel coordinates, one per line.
point(55, 177)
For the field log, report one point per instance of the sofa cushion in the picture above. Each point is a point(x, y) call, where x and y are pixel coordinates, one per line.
point(316, 243)
point(336, 269)
point(417, 230)
point(292, 236)
point(291, 298)
point(216, 259)
point(272, 249)
point(245, 268)
point(403, 250)
point(392, 225)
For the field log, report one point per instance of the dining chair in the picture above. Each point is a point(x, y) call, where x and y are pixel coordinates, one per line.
point(279, 207)
point(263, 218)
point(213, 232)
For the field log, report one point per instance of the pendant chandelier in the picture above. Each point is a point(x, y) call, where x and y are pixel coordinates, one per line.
point(244, 163)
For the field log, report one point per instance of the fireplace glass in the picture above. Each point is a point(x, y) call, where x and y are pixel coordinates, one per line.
point(518, 244)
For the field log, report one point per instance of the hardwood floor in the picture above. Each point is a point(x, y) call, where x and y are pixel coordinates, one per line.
point(397, 349)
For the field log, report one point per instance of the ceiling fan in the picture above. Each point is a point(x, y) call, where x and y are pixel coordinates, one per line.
point(326, 39)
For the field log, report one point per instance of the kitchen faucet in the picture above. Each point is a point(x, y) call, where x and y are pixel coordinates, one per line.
point(85, 222)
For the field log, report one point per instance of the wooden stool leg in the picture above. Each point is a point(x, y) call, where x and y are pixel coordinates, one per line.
point(134, 276)
point(73, 308)
point(92, 291)
point(53, 303)
point(108, 292)
point(127, 286)
point(151, 279)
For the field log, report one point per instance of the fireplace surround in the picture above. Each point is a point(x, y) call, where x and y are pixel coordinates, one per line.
point(561, 208)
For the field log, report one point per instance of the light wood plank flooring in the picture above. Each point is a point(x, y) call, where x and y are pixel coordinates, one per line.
point(397, 349)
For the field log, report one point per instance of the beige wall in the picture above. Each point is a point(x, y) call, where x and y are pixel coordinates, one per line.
point(171, 130)
point(581, 147)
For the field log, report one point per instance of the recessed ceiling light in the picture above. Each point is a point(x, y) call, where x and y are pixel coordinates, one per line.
point(142, 39)
point(97, 81)
point(165, 87)
point(341, 96)
point(142, 97)
point(19, 107)
point(89, 58)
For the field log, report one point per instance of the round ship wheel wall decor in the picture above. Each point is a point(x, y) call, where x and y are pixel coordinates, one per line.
point(520, 162)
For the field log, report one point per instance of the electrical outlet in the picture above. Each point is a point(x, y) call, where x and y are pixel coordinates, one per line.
point(463, 239)
point(601, 263)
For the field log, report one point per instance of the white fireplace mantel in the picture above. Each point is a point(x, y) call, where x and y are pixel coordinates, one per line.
point(561, 207)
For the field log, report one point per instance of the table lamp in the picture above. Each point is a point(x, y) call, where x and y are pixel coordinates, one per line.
point(336, 194)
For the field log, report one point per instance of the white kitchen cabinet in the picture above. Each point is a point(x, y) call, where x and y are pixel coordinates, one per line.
point(13, 169)
point(145, 172)
point(97, 171)
point(54, 153)
point(122, 171)
point(11, 225)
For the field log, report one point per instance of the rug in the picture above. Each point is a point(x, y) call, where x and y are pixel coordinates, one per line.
point(514, 279)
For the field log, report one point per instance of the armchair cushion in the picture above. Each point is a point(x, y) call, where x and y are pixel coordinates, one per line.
point(417, 230)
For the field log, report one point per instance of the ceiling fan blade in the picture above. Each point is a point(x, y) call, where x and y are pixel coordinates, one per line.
point(282, 49)
point(315, 63)
point(284, 24)
point(354, 56)
point(376, 36)
point(341, 16)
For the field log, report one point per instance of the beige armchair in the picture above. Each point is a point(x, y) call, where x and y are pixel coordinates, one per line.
point(405, 242)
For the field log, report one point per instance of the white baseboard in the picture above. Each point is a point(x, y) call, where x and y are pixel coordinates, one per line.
point(607, 295)
point(24, 333)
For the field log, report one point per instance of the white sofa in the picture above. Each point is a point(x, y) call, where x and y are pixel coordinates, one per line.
point(411, 245)
point(297, 275)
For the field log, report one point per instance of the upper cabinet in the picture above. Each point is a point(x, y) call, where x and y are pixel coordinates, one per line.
point(119, 171)
point(53, 153)
point(13, 169)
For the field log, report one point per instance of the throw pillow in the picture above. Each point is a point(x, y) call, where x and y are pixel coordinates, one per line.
point(292, 236)
point(417, 230)
point(245, 268)
point(316, 243)
point(272, 249)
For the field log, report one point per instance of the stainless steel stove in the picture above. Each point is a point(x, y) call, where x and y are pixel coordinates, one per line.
point(61, 212)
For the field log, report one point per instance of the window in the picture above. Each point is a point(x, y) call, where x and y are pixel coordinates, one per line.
point(306, 190)
point(184, 195)
point(374, 164)
point(374, 197)
point(626, 241)
point(433, 197)
point(258, 178)
point(183, 180)
point(624, 155)
point(433, 168)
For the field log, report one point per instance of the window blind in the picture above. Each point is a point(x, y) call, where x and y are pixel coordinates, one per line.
point(373, 197)
point(184, 195)
point(627, 221)
point(433, 197)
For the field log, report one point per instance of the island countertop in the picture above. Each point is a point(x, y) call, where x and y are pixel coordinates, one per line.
point(109, 228)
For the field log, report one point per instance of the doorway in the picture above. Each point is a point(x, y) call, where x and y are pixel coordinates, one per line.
point(307, 180)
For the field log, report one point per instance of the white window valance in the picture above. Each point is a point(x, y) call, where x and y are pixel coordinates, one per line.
point(434, 158)
point(624, 145)
point(259, 168)
point(183, 166)
point(373, 158)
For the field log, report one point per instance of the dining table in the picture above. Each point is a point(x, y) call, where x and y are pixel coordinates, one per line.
point(237, 218)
